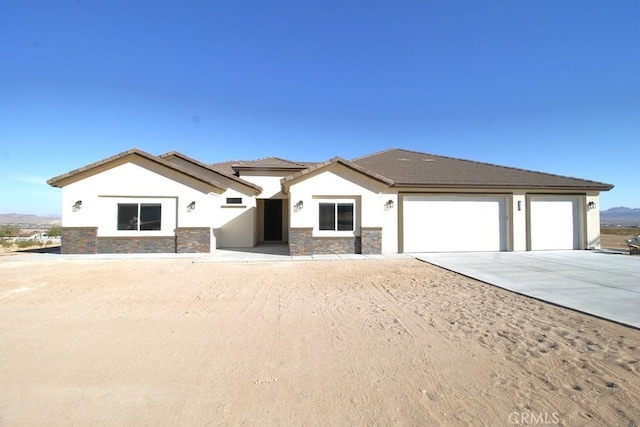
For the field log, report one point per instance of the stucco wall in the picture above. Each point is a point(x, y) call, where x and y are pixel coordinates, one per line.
point(269, 181)
point(140, 178)
point(340, 183)
point(592, 216)
point(141, 181)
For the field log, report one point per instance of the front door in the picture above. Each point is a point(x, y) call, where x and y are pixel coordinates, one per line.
point(272, 220)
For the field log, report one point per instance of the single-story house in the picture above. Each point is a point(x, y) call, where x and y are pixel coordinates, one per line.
point(387, 202)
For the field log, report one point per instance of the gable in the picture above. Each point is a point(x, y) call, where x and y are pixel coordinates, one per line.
point(355, 172)
point(335, 179)
point(137, 176)
point(142, 159)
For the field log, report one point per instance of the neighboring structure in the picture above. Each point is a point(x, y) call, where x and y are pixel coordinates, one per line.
point(387, 202)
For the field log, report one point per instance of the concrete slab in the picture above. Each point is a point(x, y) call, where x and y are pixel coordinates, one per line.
point(352, 256)
point(602, 284)
point(325, 257)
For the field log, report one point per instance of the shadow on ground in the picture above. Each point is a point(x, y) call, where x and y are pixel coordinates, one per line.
point(45, 250)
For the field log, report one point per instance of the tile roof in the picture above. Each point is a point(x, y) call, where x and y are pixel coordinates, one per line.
point(336, 160)
point(394, 167)
point(271, 163)
point(57, 181)
point(414, 169)
point(224, 167)
point(227, 173)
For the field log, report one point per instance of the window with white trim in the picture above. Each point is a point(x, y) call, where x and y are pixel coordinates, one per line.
point(336, 216)
point(139, 216)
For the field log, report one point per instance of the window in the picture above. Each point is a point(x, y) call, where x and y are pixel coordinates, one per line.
point(139, 216)
point(234, 200)
point(336, 216)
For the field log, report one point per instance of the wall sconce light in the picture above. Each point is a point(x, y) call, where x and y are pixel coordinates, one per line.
point(591, 205)
point(388, 205)
point(519, 205)
point(191, 206)
point(77, 206)
point(298, 206)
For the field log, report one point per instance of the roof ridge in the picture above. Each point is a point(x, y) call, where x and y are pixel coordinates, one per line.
point(374, 154)
point(246, 162)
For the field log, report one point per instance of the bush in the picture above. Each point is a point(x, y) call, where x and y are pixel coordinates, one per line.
point(54, 231)
point(26, 243)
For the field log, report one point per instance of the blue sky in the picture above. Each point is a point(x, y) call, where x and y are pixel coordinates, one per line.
point(546, 85)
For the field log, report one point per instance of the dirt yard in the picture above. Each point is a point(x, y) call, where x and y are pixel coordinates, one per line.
point(613, 241)
point(385, 342)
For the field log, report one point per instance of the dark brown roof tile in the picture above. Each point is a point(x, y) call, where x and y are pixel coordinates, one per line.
point(415, 169)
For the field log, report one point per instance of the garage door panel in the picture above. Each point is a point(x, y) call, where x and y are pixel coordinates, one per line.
point(554, 223)
point(453, 224)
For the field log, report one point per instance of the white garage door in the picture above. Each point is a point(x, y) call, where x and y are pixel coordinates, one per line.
point(454, 223)
point(553, 223)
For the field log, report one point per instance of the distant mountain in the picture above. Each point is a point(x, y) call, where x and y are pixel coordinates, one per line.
point(620, 216)
point(22, 219)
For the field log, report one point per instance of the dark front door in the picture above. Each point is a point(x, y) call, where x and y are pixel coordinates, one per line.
point(272, 219)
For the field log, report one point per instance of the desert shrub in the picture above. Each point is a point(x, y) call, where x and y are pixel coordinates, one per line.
point(620, 231)
point(54, 231)
point(7, 230)
point(25, 243)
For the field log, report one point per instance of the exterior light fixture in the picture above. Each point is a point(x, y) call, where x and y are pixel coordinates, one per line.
point(77, 206)
point(191, 206)
point(388, 205)
point(591, 205)
point(519, 205)
point(298, 206)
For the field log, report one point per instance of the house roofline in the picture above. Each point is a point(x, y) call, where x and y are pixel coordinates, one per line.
point(59, 181)
point(257, 189)
point(601, 186)
point(604, 187)
point(288, 180)
point(247, 165)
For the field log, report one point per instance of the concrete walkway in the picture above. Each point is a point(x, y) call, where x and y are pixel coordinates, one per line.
point(265, 253)
point(601, 284)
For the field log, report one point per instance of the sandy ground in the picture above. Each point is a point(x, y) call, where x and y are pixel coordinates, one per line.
point(613, 241)
point(384, 342)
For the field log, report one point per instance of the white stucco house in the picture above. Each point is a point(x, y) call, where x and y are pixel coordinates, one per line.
point(387, 202)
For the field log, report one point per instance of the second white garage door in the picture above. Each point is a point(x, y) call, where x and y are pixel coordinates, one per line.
point(554, 223)
point(454, 223)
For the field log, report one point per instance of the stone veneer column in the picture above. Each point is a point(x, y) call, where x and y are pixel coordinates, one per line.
point(193, 240)
point(78, 240)
point(300, 241)
point(371, 240)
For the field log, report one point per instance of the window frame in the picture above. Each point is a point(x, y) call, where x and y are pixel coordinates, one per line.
point(335, 231)
point(138, 217)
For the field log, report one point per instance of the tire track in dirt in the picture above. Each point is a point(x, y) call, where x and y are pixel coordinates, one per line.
point(414, 326)
point(200, 304)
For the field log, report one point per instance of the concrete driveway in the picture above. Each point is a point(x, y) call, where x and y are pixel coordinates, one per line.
point(601, 284)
